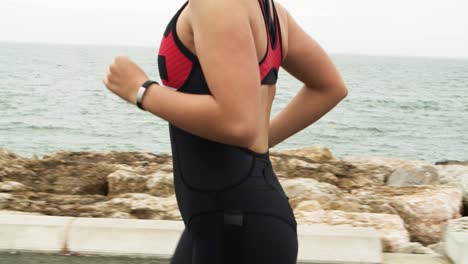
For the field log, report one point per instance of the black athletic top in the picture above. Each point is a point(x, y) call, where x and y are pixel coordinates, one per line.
point(202, 165)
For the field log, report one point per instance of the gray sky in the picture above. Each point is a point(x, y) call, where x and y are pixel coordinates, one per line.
point(436, 28)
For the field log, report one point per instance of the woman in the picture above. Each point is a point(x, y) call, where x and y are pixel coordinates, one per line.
point(219, 63)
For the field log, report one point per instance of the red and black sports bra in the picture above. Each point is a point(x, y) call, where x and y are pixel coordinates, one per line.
point(180, 69)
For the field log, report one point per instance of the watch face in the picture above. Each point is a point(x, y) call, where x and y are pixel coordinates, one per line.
point(140, 93)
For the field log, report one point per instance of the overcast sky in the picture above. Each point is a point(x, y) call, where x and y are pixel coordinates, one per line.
point(437, 28)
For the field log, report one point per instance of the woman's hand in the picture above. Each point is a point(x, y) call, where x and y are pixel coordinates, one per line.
point(124, 78)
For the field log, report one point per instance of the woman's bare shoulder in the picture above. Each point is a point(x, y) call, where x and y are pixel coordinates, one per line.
point(282, 11)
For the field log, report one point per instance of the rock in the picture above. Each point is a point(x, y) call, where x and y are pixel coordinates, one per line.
point(55, 176)
point(9, 212)
point(133, 205)
point(161, 184)
point(309, 195)
point(5, 198)
point(300, 189)
point(47, 203)
point(360, 175)
point(390, 162)
point(424, 208)
point(132, 158)
point(390, 227)
point(122, 215)
point(342, 174)
point(11, 186)
point(413, 174)
point(457, 176)
point(138, 205)
point(286, 166)
point(6, 155)
point(315, 153)
point(438, 248)
point(128, 181)
point(452, 162)
point(457, 225)
point(414, 248)
point(307, 206)
point(65, 172)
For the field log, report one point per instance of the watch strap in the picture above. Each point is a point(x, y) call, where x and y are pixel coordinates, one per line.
point(141, 92)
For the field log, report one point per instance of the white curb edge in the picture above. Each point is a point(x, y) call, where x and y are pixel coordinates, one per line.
point(318, 243)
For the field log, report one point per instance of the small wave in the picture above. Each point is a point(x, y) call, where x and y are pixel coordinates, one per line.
point(421, 105)
point(16, 123)
point(23, 125)
point(367, 129)
point(378, 101)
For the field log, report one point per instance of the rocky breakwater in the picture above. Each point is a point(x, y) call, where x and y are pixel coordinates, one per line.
point(408, 202)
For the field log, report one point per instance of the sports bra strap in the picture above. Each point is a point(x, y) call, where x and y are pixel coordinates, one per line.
point(271, 23)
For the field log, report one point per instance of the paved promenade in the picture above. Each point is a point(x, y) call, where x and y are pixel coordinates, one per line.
point(31, 258)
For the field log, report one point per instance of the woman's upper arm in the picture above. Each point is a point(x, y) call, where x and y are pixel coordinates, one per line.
point(308, 62)
point(226, 50)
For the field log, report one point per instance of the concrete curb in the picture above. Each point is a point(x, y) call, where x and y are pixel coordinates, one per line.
point(455, 240)
point(28, 232)
point(456, 246)
point(321, 243)
point(318, 243)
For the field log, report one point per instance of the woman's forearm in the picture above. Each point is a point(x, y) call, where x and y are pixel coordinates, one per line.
point(306, 107)
point(198, 113)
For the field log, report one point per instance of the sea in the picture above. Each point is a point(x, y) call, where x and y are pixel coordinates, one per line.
point(52, 98)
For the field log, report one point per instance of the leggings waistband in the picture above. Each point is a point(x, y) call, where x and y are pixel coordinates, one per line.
point(260, 155)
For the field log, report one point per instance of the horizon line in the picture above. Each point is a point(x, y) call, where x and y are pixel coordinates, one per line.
point(157, 45)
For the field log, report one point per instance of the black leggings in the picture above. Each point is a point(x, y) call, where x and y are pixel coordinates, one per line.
point(262, 240)
point(256, 225)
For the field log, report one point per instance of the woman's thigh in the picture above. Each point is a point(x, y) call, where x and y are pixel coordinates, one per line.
point(260, 239)
point(268, 239)
point(183, 251)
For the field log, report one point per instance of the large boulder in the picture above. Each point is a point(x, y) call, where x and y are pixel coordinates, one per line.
point(343, 174)
point(390, 162)
point(60, 177)
point(7, 155)
point(300, 190)
point(48, 203)
point(135, 205)
point(65, 172)
point(315, 153)
point(310, 195)
point(424, 208)
point(132, 158)
point(159, 183)
point(127, 205)
point(413, 174)
point(456, 176)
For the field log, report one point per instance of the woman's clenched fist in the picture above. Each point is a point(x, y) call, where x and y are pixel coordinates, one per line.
point(124, 78)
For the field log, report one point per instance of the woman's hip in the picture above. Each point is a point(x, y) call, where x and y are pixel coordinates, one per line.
point(254, 238)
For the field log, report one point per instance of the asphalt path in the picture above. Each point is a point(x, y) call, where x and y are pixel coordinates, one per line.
point(49, 258)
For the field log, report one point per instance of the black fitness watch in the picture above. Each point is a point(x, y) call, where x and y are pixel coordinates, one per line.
point(141, 92)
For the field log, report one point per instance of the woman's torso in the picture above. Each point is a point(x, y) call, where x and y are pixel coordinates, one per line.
point(210, 176)
point(184, 35)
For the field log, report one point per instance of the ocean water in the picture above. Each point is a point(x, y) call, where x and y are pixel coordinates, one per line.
point(52, 98)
